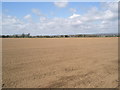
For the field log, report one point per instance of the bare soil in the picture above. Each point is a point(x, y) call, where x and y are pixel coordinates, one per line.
point(60, 62)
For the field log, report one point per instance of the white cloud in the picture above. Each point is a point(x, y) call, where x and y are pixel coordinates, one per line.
point(10, 20)
point(27, 16)
point(74, 16)
point(61, 4)
point(37, 12)
point(108, 14)
point(12, 25)
point(94, 21)
point(42, 19)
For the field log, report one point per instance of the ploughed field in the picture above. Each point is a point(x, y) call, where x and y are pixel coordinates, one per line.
point(60, 62)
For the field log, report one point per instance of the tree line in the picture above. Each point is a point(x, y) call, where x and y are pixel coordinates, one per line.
point(58, 36)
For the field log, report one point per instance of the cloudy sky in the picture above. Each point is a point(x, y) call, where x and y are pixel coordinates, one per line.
point(57, 18)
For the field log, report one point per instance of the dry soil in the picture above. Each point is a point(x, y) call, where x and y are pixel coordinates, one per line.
point(60, 62)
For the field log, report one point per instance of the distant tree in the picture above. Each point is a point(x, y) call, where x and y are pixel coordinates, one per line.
point(23, 35)
point(16, 36)
point(28, 35)
point(66, 35)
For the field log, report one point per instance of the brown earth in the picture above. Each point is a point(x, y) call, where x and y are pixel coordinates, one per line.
point(60, 63)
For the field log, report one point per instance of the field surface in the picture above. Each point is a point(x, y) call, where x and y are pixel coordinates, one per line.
point(60, 63)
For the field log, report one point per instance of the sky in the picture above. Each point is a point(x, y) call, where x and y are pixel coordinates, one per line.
point(59, 18)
